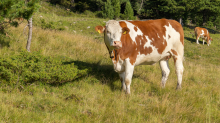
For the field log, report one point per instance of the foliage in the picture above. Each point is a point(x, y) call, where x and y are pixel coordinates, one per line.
point(31, 67)
point(199, 11)
point(45, 25)
point(117, 8)
point(108, 11)
point(129, 13)
point(12, 9)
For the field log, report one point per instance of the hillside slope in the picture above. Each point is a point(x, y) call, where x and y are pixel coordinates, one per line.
point(97, 97)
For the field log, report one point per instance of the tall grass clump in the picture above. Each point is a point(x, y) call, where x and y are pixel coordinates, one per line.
point(31, 67)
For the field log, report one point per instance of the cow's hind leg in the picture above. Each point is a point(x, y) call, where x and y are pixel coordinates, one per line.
point(178, 60)
point(165, 72)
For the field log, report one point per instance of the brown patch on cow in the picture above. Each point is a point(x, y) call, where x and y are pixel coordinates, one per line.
point(135, 29)
point(169, 36)
point(174, 58)
point(151, 28)
point(174, 52)
point(140, 45)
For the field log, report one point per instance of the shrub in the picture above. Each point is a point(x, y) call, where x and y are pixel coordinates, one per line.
point(45, 25)
point(31, 67)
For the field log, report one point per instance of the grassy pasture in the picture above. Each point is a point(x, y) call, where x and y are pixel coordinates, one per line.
point(97, 97)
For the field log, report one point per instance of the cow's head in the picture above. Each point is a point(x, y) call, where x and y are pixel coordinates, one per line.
point(112, 34)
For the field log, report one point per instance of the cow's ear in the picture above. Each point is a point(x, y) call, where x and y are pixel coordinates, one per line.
point(99, 29)
point(125, 30)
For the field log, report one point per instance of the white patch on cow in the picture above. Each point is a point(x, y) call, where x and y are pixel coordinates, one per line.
point(133, 34)
point(119, 66)
point(158, 35)
point(202, 32)
point(174, 36)
point(113, 33)
point(148, 43)
point(148, 59)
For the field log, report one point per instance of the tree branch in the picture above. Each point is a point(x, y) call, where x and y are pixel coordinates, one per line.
point(140, 6)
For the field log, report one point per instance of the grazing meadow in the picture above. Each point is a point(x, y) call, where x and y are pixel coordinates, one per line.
point(96, 96)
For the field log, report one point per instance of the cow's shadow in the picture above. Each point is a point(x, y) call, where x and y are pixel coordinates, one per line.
point(193, 40)
point(104, 73)
point(212, 31)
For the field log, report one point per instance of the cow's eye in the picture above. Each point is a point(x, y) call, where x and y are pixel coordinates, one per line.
point(107, 31)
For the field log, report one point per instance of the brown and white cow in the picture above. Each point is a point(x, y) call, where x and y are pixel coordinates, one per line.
point(204, 34)
point(144, 42)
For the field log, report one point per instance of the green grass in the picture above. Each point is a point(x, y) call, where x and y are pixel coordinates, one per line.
point(97, 97)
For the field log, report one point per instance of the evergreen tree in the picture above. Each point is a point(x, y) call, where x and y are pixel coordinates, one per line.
point(129, 13)
point(108, 10)
point(12, 9)
point(117, 9)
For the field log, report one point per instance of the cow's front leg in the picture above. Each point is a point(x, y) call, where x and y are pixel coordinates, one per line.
point(129, 69)
point(197, 40)
point(122, 78)
point(203, 41)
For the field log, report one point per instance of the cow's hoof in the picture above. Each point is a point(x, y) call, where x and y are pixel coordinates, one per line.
point(178, 88)
point(162, 85)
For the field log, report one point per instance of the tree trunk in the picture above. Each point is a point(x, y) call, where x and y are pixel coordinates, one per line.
point(29, 35)
point(181, 21)
point(140, 7)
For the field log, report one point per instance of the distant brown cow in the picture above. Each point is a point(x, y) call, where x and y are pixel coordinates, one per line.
point(204, 34)
point(19, 19)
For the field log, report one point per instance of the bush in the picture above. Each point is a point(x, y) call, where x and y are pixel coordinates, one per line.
point(31, 67)
point(45, 25)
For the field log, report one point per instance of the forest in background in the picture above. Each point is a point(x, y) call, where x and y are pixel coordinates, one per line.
point(199, 12)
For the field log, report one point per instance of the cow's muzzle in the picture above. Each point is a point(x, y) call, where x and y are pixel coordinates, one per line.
point(117, 44)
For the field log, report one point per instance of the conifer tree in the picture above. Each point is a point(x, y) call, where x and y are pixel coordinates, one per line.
point(129, 13)
point(108, 10)
point(117, 9)
point(12, 9)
